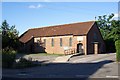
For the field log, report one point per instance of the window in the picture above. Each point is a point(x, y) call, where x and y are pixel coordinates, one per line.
point(52, 42)
point(95, 36)
point(70, 41)
point(38, 41)
point(61, 42)
point(44, 42)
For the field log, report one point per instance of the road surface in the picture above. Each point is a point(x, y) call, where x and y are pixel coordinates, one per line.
point(91, 66)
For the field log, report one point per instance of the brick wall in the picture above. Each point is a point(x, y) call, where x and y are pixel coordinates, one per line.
point(57, 49)
point(86, 41)
point(95, 36)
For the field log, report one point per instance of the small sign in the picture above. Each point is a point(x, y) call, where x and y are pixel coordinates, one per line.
point(79, 38)
point(66, 48)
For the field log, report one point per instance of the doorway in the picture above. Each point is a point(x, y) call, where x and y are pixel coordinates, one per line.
point(96, 48)
point(79, 48)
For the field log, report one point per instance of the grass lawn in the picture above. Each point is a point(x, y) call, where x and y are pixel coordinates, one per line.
point(38, 55)
point(45, 54)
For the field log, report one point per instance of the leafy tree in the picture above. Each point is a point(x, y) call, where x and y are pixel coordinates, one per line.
point(104, 23)
point(9, 36)
point(10, 44)
point(115, 30)
point(110, 30)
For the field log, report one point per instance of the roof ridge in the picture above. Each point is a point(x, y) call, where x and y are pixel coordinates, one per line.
point(78, 28)
point(90, 28)
point(59, 25)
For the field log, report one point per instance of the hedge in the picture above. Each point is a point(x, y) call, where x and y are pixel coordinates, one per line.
point(8, 58)
point(24, 63)
point(117, 45)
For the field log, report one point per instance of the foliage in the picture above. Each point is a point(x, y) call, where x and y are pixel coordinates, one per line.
point(117, 45)
point(8, 58)
point(115, 30)
point(104, 23)
point(110, 30)
point(10, 44)
point(9, 36)
point(24, 63)
point(110, 46)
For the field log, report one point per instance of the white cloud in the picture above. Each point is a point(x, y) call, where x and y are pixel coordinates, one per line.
point(116, 16)
point(39, 6)
point(36, 6)
point(31, 6)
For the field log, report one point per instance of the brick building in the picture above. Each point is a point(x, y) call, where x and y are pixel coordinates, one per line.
point(83, 37)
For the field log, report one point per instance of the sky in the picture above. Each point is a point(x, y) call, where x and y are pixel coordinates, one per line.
point(26, 15)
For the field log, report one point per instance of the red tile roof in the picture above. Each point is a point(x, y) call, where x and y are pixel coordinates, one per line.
point(81, 28)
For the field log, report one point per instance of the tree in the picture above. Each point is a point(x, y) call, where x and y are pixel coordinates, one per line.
point(115, 30)
point(110, 30)
point(104, 23)
point(9, 36)
point(10, 43)
point(115, 34)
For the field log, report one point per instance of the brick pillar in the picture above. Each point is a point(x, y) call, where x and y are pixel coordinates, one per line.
point(85, 44)
point(95, 48)
point(86, 51)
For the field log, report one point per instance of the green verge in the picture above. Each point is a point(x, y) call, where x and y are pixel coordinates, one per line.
point(46, 54)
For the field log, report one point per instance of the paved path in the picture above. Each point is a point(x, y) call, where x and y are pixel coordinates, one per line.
point(47, 58)
point(107, 70)
point(102, 66)
point(37, 57)
point(62, 59)
point(91, 58)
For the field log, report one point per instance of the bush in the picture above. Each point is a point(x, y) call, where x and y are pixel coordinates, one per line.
point(8, 58)
point(117, 45)
point(24, 63)
point(110, 45)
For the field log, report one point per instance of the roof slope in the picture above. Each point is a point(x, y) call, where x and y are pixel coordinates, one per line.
point(81, 28)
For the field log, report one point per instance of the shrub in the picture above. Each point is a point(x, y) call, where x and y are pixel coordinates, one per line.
point(117, 45)
point(8, 58)
point(110, 45)
point(24, 63)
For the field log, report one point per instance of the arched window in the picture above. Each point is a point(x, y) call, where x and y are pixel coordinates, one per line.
point(95, 37)
point(44, 42)
point(70, 41)
point(52, 42)
point(60, 42)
